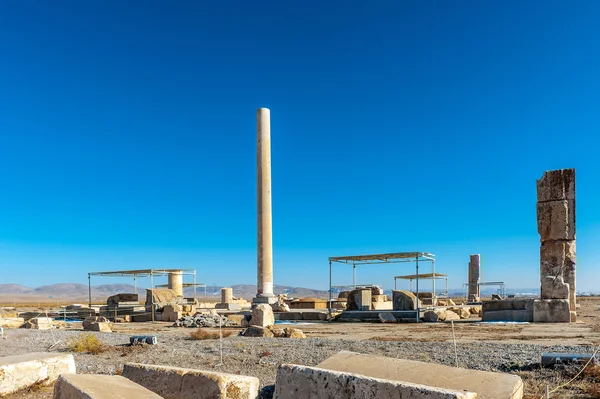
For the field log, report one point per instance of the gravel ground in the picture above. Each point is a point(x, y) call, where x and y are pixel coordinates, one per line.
point(260, 357)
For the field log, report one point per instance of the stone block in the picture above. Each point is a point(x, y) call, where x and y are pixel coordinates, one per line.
point(293, 333)
point(359, 299)
point(551, 311)
point(404, 300)
point(11, 322)
point(554, 287)
point(556, 220)
point(22, 371)
point(40, 323)
point(258, 331)
point(379, 298)
point(235, 319)
point(301, 382)
point(508, 304)
point(389, 305)
point(96, 386)
point(343, 294)
point(228, 306)
point(556, 185)
point(262, 315)
point(94, 323)
point(433, 316)
point(486, 384)
point(387, 317)
point(180, 383)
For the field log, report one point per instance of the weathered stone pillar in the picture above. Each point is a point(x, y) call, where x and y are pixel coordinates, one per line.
point(556, 226)
point(474, 270)
point(226, 295)
point(264, 292)
point(176, 282)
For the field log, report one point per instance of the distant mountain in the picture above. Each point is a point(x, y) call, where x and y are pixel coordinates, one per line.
point(112, 289)
point(73, 290)
point(15, 289)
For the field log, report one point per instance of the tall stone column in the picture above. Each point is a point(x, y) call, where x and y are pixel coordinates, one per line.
point(556, 226)
point(264, 292)
point(474, 270)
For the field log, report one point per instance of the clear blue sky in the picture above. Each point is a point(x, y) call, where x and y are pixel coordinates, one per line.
point(127, 135)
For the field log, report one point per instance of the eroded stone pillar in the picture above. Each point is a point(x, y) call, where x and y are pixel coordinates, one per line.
point(265, 234)
point(226, 295)
point(474, 270)
point(557, 230)
point(176, 282)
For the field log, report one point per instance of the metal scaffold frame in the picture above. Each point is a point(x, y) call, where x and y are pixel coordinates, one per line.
point(143, 273)
point(378, 259)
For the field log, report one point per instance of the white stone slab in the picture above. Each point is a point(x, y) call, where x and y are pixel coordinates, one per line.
point(487, 385)
point(302, 382)
point(22, 371)
point(96, 386)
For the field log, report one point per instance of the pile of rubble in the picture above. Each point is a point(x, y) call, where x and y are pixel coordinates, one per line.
point(202, 320)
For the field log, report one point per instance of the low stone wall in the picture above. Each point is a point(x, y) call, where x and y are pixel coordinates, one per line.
point(22, 371)
point(301, 382)
point(180, 383)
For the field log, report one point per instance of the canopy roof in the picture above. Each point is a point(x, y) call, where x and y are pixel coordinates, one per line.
point(143, 272)
point(183, 285)
point(396, 257)
point(425, 276)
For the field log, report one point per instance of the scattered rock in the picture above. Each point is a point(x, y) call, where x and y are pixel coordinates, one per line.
point(281, 306)
point(97, 323)
point(201, 320)
point(387, 317)
point(257, 331)
point(451, 316)
point(294, 333)
point(433, 316)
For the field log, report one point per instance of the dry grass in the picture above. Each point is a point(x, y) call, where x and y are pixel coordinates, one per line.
point(202, 334)
point(87, 343)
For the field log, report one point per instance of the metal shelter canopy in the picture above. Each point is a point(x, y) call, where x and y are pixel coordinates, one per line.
point(427, 276)
point(141, 273)
point(377, 259)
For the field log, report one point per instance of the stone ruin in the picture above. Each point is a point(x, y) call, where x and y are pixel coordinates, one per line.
point(556, 227)
point(474, 294)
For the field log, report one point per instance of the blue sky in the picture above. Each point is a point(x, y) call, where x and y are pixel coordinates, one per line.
point(127, 135)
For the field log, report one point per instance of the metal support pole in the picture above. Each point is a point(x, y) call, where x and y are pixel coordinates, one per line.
point(135, 286)
point(395, 283)
point(152, 293)
point(354, 275)
point(89, 290)
point(433, 271)
point(417, 267)
point(195, 299)
point(330, 288)
point(448, 295)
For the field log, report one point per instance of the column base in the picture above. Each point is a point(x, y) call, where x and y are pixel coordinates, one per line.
point(264, 299)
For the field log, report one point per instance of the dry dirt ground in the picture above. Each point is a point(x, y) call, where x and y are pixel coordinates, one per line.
point(511, 348)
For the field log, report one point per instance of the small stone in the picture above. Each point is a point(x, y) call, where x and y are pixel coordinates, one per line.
point(257, 331)
point(262, 315)
point(387, 317)
point(294, 333)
